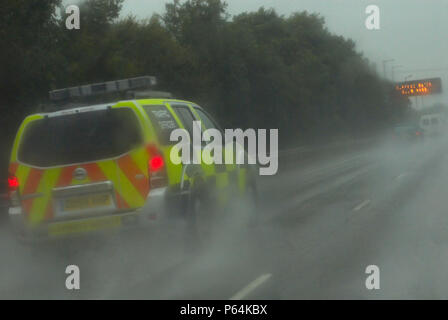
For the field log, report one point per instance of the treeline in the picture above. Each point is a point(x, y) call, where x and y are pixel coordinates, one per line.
point(257, 69)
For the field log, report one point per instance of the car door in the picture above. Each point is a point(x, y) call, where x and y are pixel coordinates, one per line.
point(230, 177)
point(187, 117)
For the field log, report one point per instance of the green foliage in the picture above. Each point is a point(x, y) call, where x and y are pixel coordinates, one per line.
point(27, 30)
point(28, 43)
point(257, 69)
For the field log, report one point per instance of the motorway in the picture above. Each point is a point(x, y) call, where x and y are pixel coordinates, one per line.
point(321, 223)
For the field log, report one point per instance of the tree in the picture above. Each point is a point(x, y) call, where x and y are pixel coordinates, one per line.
point(28, 45)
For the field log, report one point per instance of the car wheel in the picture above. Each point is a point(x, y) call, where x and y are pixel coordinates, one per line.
point(251, 199)
point(201, 218)
point(244, 209)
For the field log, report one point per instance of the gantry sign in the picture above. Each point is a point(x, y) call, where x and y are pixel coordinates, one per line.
point(422, 87)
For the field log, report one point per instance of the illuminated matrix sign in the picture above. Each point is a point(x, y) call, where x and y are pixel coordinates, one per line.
point(419, 87)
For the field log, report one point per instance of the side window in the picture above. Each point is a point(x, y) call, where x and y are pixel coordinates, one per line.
point(208, 122)
point(186, 117)
point(163, 122)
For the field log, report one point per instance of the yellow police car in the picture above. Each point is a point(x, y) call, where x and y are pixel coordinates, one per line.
point(108, 165)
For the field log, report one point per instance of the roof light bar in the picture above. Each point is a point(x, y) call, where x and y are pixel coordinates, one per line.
point(103, 88)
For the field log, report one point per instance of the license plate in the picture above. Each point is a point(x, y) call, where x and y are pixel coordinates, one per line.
point(81, 226)
point(87, 202)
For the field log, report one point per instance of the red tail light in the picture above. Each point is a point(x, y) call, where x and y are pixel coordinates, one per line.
point(13, 183)
point(418, 133)
point(156, 167)
point(156, 163)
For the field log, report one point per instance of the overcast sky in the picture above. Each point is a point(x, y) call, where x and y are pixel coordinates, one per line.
point(413, 32)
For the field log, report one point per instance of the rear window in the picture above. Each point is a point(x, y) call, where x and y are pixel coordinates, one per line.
point(80, 137)
point(163, 122)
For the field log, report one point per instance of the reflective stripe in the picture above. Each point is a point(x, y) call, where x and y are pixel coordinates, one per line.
point(107, 170)
point(129, 192)
point(31, 185)
point(22, 173)
point(94, 172)
point(141, 158)
point(65, 177)
point(13, 168)
point(131, 171)
point(39, 205)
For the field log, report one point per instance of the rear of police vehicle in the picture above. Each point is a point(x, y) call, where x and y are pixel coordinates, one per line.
point(80, 169)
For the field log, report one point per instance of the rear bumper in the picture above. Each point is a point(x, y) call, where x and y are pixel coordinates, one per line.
point(69, 228)
point(157, 205)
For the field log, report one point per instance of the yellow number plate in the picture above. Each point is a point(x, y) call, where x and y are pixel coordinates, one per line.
point(87, 202)
point(81, 226)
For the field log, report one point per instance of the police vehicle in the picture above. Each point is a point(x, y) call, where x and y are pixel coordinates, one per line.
point(107, 165)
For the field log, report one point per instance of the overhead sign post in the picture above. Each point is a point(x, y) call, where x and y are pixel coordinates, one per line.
point(422, 87)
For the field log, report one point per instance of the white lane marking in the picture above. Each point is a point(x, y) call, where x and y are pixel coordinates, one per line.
point(361, 205)
point(251, 287)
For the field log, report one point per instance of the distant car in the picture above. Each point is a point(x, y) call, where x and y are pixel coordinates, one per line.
point(433, 124)
point(408, 133)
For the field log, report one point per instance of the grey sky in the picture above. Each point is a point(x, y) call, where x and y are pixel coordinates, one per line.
point(413, 32)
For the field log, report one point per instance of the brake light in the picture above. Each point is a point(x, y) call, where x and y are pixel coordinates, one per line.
point(418, 133)
point(156, 163)
point(13, 183)
point(156, 167)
